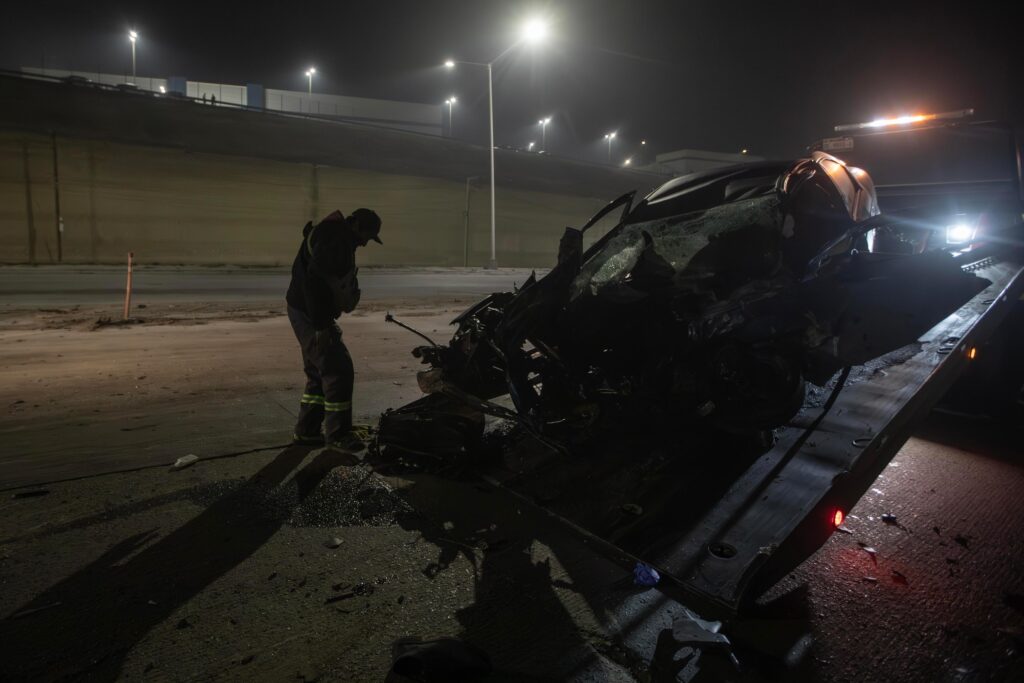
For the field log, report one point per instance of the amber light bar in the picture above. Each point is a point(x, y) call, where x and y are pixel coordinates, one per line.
point(906, 120)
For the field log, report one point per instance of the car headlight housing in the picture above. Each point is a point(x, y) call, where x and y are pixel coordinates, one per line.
point(960, 232)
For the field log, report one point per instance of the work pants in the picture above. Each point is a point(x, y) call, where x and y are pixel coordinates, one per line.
point(327, 398)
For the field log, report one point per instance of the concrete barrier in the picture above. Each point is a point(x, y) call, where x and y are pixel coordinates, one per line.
point(177, 183)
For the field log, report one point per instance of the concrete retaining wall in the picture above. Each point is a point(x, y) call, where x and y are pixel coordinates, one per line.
point(178, 182)
point(176, 206)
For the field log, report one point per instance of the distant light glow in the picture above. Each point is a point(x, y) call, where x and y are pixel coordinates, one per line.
point(643, 142)
point(905, 120)
point(972, 353)
point(837, 518)
point(535, 30)
point(452, 99)
point(163, 89)
point(449, 64)
point(628, 161)
point(133, 36)
point(529, 147)
point(609, 136)
point(744, 151)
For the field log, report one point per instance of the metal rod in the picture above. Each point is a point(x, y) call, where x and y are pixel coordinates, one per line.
point(128, 288)
point(388, 318)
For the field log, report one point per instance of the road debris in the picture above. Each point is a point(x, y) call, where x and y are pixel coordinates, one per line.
point(34, 493)
point(872, 552)
point(843, 530)
point(333, 543)
point(633, 509)
point(899, 577)
point(184, 461)
point(645, 575)
point(870, 579)
point(892, 520)
point(691, 631)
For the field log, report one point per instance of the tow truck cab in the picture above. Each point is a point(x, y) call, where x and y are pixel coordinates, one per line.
point(948, 182)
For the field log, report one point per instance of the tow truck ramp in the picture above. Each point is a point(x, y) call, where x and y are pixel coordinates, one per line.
point(785, 506)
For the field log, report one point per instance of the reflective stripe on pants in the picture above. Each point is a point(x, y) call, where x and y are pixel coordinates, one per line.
point(327, 398)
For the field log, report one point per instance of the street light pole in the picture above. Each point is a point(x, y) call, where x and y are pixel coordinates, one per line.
point(544, 132)
point(309, 75)
point(490, 112)
point(133, 36)
point(609, 137)
point(451, 122)
point(533, 31)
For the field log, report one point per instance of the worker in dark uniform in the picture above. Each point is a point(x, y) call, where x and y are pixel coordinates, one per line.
point(324, 286)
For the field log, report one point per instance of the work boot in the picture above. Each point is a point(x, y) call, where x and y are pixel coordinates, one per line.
point(310, 440)
point(347, 441)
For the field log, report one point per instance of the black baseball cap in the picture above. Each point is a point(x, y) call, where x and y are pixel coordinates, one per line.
point(368, 223)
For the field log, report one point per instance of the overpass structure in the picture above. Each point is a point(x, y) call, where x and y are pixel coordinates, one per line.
point(416, 117)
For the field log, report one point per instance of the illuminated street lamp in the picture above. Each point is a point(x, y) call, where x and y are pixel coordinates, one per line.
point(529, 146)
point(628, 161)
point(544, 132)
point(133, 36)
point(609, 137)
point(309, 75)
point(533, 31)
point(451, 126)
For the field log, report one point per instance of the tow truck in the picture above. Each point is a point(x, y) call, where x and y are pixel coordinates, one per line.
point(715, 545)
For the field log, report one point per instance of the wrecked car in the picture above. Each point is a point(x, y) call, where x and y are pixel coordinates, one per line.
point(713, 300)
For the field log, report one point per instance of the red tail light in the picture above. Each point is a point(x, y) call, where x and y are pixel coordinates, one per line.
point(837, 518)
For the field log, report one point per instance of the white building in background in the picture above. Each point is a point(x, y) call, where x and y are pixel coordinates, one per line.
point(412, 116)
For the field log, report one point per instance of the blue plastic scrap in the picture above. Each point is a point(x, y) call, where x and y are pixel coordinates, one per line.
point(645, 575)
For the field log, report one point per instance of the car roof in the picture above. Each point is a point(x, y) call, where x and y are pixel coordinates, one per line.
point(703, 189)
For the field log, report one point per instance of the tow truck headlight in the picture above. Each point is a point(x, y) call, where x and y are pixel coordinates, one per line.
point(960, 233)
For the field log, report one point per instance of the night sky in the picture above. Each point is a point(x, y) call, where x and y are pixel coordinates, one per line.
point(767, 76)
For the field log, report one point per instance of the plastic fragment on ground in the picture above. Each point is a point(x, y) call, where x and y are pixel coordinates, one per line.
point(185, 461)
point(645, 575)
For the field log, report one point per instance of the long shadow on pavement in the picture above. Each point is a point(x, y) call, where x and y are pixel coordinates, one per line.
point(534, 604)
point(85, 625)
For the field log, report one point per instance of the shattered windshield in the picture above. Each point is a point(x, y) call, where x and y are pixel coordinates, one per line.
point(675, 240)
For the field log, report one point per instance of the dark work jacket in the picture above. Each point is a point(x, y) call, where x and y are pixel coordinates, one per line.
point(327, 252)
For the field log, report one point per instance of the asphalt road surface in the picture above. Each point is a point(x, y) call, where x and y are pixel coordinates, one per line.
point(25, 286)
point(267, 562)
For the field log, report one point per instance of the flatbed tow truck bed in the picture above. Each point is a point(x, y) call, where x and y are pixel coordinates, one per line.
point(765, 515)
